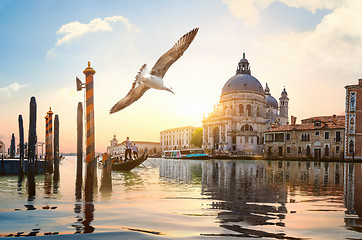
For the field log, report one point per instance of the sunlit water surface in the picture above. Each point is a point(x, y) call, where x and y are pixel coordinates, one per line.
point(214, 199)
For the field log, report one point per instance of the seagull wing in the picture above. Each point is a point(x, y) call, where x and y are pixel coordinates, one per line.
point(167, 59)
point(133, 95)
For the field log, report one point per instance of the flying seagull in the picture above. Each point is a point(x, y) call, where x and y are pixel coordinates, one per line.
point(154, 79)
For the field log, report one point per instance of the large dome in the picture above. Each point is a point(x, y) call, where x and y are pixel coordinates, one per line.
point(242, 83)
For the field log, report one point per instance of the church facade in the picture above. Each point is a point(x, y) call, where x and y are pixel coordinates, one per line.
point(244, 112)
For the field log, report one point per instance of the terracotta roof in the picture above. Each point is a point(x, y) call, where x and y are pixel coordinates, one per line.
point(308, 124)
point(323, 119)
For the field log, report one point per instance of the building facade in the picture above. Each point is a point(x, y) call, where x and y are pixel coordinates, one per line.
point(176, 138)
point(118, 149)
point(245, 111)
point(353, 127)
point(315, 137)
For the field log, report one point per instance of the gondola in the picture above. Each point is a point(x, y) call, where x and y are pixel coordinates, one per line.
point(129, 165)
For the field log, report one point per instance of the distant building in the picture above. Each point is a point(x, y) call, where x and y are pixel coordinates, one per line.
point(118, 149)
point(176, 138)
point(245, 111)
point(315, 137)
point(353, 134)
point(2, 149)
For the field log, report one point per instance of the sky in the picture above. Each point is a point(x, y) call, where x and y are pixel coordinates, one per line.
point(310, 47)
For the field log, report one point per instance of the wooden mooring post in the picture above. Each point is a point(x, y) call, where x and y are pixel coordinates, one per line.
point(106, 181)
point(56, 148)
point(21, 145)
point(31, 147)
point(12, 147)
point(79, 178)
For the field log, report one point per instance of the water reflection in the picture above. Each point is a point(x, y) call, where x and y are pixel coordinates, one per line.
point(352, 197)
point(258, 193)
point(88, 217)
point(132, 181)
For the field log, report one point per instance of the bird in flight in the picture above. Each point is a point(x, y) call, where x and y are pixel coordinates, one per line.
point(154, 79)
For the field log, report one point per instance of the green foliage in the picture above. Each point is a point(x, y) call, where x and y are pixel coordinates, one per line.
point(196, 139)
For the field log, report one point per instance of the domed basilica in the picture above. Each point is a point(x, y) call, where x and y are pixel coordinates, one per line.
point(245, 111)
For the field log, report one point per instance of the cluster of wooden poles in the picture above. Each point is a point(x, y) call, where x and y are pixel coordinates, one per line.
point(32, 165)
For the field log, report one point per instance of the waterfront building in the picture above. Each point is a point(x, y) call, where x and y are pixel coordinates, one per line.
point(177, 138)
point(118, 149)
point(245, 111)
point(316, 137)
point(353, 134)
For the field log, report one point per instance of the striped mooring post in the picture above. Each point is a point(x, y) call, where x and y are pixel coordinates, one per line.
point(49, 133)
point(46, 144)
point(91, 177)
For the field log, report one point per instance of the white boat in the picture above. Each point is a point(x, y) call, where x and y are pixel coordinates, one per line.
point(186, 154)
point(172, 154)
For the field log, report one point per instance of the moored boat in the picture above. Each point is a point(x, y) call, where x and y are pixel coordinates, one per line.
point(186, 154)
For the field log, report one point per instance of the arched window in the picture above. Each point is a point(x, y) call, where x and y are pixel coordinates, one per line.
point(241, 109)
point(247, 128)
point(248, 109)
point(308, 150)
point(353, 103)
point(326, 151)
point(258, 111)
point(351, 146)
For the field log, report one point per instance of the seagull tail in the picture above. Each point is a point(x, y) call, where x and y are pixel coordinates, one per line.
point(141, 73)
point(167, 89)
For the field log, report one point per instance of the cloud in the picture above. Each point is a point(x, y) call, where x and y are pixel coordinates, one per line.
point(74, 30)
point(318, 62)
point(248, 10)
point(11, 89)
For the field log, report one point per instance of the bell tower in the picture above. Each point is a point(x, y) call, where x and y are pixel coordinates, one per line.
point(283, 108)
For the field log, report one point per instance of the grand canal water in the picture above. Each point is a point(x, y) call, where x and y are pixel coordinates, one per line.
point(213, 199)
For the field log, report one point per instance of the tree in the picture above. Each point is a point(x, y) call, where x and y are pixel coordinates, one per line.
point(196, 139)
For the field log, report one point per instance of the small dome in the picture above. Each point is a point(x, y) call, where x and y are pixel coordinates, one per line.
point(271, 101)
point(284, 95)
point(242, 83)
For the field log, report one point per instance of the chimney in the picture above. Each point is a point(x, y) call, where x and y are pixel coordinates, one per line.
point(293, 120)
point(335, 117)
point(359, 81)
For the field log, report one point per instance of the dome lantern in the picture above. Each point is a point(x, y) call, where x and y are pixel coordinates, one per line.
point(243, 66)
